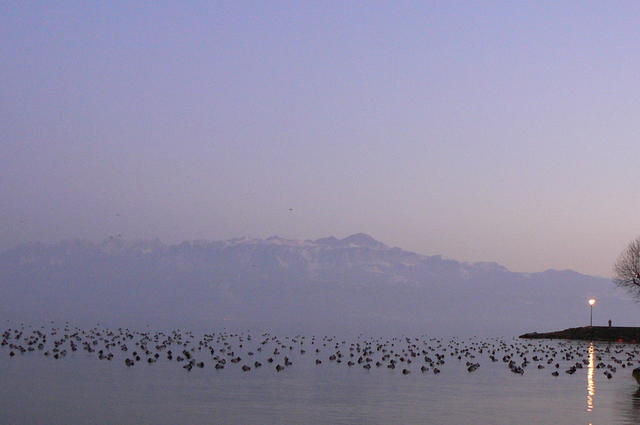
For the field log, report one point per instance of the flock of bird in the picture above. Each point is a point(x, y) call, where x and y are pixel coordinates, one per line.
point(247, 352)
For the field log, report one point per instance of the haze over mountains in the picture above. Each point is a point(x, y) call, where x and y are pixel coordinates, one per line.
point(329, 284)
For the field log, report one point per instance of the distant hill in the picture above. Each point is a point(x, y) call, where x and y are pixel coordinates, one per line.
point(355, 283)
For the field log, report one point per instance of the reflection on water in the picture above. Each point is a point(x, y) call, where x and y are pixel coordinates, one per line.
point(635, 405)
point(635, 401)
point(629, 411)
point(591, 382)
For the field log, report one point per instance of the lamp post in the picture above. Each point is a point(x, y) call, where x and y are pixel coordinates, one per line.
point(592, 301)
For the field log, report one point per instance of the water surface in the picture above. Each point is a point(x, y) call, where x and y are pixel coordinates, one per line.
point(79, 389)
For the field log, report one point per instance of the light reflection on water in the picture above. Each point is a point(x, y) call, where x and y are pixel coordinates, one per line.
point(591, 380)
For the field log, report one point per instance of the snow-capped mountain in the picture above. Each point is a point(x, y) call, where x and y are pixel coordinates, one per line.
point(356, 282)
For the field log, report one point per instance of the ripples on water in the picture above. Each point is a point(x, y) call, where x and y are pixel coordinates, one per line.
point(80, 389)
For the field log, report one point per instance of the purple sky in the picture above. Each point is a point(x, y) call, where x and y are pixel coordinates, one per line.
point(484, 131)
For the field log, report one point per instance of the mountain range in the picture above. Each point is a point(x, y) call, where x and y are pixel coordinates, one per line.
point(356, 283)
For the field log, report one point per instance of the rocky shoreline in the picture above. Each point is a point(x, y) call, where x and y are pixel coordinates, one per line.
point(625, 334)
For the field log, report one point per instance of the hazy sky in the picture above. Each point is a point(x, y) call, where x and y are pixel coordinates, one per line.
point(484, 131)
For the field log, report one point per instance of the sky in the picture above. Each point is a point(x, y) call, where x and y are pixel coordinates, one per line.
point(482, 131)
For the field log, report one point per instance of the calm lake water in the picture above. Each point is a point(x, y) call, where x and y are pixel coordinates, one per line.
point(80, 389)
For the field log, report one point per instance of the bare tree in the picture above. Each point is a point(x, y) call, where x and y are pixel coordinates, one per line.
point(627, 269)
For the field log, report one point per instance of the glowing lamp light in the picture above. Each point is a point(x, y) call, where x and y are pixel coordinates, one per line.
point(592, 301)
